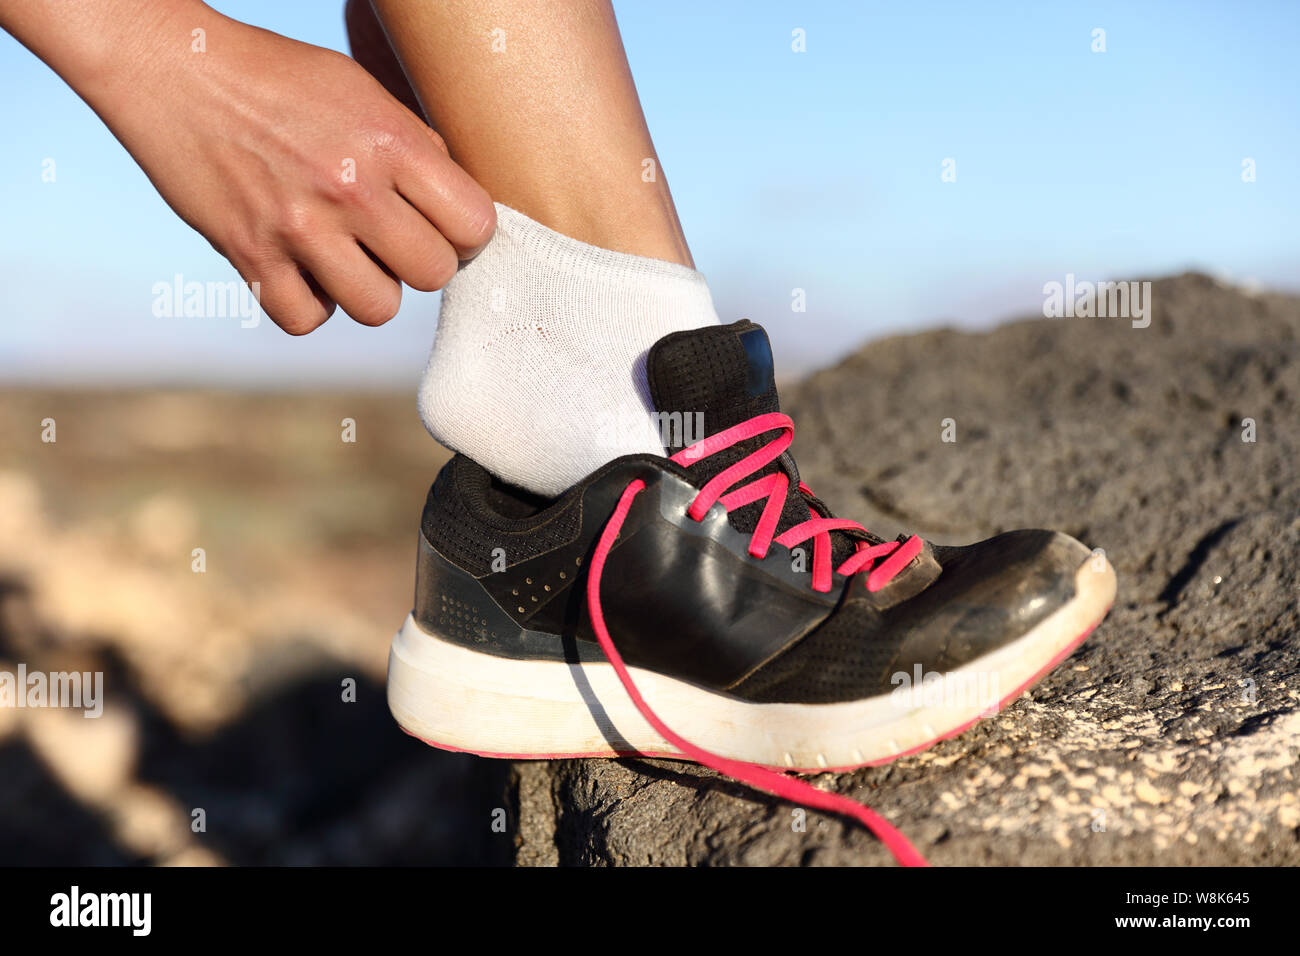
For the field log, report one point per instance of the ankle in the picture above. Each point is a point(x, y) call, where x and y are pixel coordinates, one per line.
point(537, 370)
point(647, 228)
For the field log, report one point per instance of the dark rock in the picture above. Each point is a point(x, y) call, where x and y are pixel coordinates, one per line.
point(1173, 735)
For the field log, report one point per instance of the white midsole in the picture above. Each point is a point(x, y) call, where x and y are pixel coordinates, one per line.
point(453, 696)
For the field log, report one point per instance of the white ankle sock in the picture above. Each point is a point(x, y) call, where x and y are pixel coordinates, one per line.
point(538, 365)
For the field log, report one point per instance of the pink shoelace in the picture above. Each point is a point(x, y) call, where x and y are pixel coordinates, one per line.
point(894, 557)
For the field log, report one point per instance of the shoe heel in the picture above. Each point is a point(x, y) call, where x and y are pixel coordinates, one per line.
point(456, 698)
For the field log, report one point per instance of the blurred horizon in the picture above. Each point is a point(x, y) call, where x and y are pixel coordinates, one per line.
point(819, 170)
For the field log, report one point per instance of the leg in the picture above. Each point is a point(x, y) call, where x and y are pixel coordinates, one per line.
point(537, 102)
point(753, 654)
point(538, 366)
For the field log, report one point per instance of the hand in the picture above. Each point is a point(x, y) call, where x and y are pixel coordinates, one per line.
point(292, 160)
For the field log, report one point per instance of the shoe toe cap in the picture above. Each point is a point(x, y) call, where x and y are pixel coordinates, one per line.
point(988, 595)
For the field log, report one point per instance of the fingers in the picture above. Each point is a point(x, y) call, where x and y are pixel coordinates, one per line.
point(409, 246)
point(293, 301)
point(354, 280)
point(356, 262)
point(410, 214)
point(457, 206)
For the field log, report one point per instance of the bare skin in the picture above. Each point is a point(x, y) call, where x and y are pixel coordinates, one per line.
point(292, 160)
point(535, 100)
point(315, 176)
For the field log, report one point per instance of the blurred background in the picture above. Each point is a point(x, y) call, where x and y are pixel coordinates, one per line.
point(819, 170)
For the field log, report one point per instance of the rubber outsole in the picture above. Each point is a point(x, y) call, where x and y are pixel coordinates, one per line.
point(458, 699)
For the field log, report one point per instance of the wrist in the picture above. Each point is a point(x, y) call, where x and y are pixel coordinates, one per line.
point(138, 58)
point(108, 50)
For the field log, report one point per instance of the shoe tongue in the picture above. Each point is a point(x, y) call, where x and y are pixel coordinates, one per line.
point(703, 381)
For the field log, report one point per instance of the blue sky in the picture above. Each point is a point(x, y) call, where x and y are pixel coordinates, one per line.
point(818, 170)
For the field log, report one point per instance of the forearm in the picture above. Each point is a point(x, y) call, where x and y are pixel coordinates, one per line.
point(536, 101)
point(105, 49)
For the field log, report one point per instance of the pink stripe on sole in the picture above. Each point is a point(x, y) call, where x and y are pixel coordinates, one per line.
point(615, 754)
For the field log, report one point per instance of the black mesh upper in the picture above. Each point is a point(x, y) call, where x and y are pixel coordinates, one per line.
point(987, 594)
point(845, 657)
point(461, 522)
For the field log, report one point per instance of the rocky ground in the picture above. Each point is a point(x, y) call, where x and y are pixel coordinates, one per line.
point(1173, 735)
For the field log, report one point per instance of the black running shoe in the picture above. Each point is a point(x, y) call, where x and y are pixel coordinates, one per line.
point(707, 605)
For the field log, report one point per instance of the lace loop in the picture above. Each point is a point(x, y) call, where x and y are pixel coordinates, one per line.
point(894, 556)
